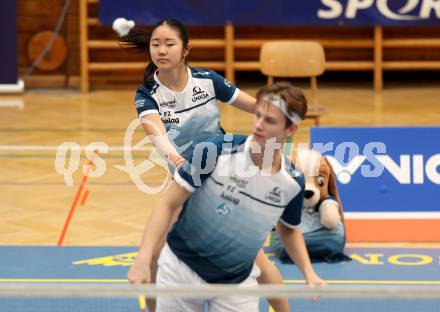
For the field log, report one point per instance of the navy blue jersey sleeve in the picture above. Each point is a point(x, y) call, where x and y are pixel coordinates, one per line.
point(202, 162)
point(224, 90)
point(145, 104)
point(291, 216)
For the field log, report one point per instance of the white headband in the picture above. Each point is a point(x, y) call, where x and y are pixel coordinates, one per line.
point(279, 103)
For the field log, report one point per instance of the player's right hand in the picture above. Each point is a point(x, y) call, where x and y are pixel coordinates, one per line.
point(139, 273)
point(177, 160)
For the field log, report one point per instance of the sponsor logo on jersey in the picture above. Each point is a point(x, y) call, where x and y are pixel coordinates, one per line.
point(171, 120)
point(241, 183)
point(198, 94)
point(274, 195)
point(230, 198)
point(227, 83)
point(169, 104)
point(139, 103)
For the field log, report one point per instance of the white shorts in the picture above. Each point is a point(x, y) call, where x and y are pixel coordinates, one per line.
point(173, 272)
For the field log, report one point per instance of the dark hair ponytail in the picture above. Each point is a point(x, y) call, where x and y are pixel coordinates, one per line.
point(149, 71)
point(138, 41)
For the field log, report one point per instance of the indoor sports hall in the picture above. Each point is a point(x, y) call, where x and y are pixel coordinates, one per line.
point(82, 82)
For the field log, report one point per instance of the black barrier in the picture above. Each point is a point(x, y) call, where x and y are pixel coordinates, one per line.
point(8, 50)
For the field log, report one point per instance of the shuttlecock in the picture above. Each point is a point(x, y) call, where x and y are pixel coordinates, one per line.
point(122, 26)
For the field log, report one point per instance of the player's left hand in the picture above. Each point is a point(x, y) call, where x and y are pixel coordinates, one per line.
point(313, 280)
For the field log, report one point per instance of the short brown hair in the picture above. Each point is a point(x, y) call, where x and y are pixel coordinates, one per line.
point(294, 97)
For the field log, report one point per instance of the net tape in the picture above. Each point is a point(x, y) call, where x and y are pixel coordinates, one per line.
point(272, 291)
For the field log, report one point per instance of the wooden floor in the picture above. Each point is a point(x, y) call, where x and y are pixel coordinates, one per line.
point(35, 201)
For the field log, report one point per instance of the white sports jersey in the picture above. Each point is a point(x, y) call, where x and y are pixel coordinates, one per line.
point(191, 114)
point(229, 214)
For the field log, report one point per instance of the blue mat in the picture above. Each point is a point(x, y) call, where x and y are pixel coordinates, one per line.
point(85, 265)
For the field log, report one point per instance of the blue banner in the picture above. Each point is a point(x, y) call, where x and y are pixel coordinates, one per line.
point(8, 51)
point(391, 169)
point(274, 12)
